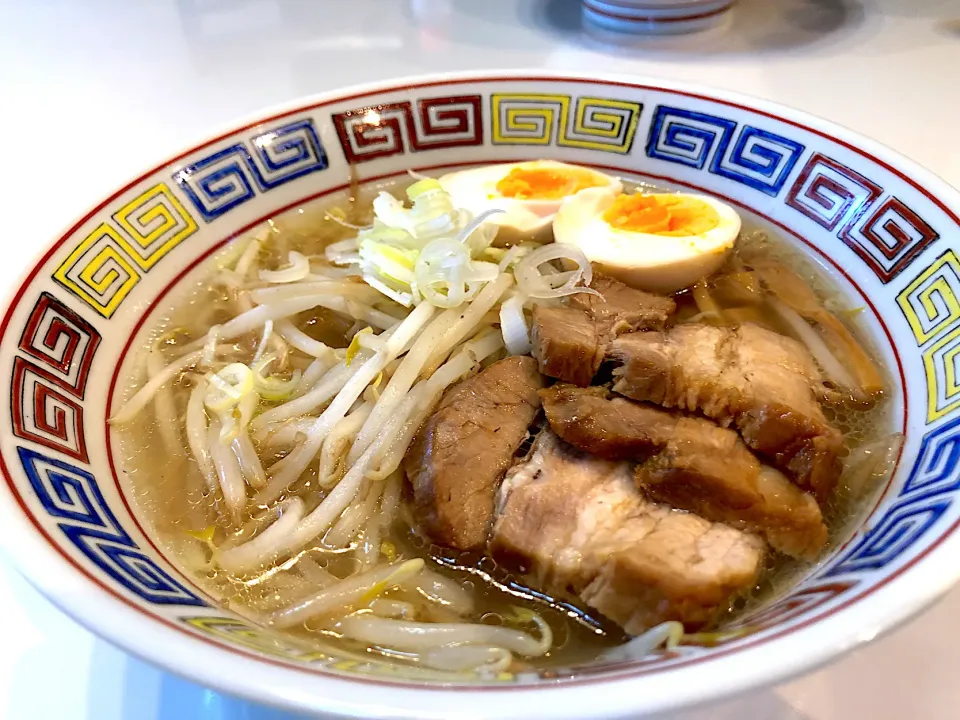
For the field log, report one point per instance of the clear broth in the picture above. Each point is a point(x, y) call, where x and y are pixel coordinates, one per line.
point(169, 491)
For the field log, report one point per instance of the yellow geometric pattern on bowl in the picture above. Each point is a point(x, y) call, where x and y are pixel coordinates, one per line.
point(102, 269)
point(931, 303)
point(536, 119)
point(405, 672)
point(590, 115)
point(234, 631)
point(940, 367)
point(98, 272)
point(157, 222)
point(527, 119)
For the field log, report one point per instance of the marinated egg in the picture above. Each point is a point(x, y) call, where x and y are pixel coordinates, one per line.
point(529, 193)
point(660, 242)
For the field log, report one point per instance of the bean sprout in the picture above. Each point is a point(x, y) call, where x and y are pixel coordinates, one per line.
point(145, 394)
point(298, 269)
point(409, 636)
point(301, 341)
point(228, 472)
point(353, 519)
point(402, 380)
point(470, 318)
point(196, 422)
point(334, 288)
point(389, 608)
point(326, 389)
point(250, 464)
point(261, 549)
point(665, 634)
point(297, 461)
point(345, 593)
point(337, 442)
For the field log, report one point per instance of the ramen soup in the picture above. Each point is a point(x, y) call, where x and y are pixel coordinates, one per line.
point(511, 417)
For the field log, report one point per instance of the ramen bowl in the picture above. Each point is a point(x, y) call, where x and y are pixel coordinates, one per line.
point(882, 227)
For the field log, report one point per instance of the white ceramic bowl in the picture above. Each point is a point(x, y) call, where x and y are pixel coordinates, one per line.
point(654, 17)
point(883, 227)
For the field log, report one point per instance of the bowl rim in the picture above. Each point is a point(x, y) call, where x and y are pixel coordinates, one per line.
point(287, 686)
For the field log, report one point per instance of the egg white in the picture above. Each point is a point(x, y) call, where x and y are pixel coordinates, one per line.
point(658, 263)
point(476, 191)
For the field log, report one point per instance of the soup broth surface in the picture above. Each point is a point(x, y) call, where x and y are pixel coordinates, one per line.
point(183, 516)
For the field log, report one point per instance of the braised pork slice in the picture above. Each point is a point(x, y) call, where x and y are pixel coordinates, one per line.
point(569, 342)
point(613, 428)
point(458, 457)
point(690, 463)
point(566, 344)
point(580, 529)
point(763, 383)
point(621, 308)
point(761, 499)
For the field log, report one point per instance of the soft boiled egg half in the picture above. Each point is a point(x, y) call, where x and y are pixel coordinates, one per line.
point(661, 242)
point(528, 193)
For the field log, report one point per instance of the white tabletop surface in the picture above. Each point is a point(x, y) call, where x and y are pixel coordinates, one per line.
point(99, 89)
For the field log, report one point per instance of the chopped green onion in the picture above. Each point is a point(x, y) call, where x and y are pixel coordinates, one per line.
point(513, 325)
point(423, 186)
point(205, 536)
point(522, 615)
point(228, 386)
point(426, 252)
point(403, 573)
point(271, 387)
point(389, 549)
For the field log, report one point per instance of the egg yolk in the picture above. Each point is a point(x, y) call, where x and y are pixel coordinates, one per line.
point(668, 215)
point(545, 183)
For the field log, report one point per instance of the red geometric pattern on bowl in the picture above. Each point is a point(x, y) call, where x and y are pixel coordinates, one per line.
point(43, 414)
point(890, 238)
point(830, 193)
point(57, 337)
point(379, 131)
point(796, 604)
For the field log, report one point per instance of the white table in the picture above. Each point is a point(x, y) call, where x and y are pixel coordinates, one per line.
point(100, 89)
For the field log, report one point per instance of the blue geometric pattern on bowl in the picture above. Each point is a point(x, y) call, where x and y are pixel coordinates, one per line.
point(758, 158)
point(72, 495)
point(926, 495)
point(219, 182)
